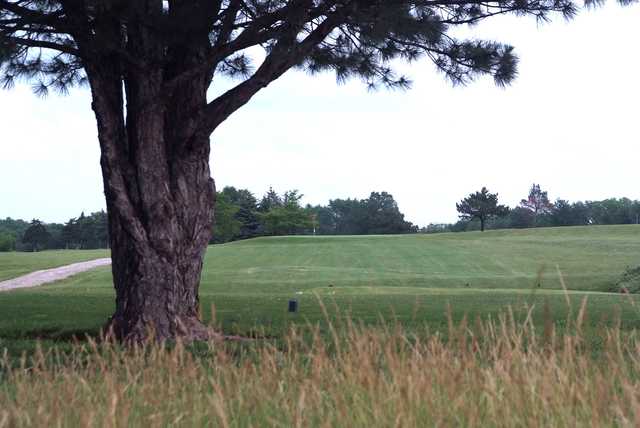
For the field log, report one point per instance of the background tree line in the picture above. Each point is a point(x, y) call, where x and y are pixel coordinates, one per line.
point(537, 210)
point(240, 215)
point(83, 232)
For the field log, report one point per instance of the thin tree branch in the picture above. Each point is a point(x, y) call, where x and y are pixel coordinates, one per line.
point(44, 45)
point(283, 57)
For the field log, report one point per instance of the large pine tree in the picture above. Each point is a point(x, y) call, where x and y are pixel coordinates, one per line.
point(149, 64)
point(482, 206)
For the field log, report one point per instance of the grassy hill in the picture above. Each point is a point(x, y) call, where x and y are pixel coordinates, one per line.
point(411, 278)
point(590, 258)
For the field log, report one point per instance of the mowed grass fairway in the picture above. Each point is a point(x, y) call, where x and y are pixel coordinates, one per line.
point(411, 278)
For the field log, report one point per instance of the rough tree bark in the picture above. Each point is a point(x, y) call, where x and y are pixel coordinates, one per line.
point(159, 191)
point(160, 198)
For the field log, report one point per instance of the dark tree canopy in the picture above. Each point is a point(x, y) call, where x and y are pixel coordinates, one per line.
point(86, 232)
point(48, 42)
point(161, 56)
point(378, 214)
point(246, 203)
point(36, 235)
point(481, 205)
point(270, 200)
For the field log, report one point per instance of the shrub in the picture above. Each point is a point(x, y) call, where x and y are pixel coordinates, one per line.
point(7, 242)
point(629, 282)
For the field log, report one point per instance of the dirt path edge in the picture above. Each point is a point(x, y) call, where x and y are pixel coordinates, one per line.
point(46, 276)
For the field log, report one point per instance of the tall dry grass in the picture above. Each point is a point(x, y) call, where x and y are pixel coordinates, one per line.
point(492, 373)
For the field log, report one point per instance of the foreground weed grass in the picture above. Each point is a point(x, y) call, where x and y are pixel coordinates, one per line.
point(485, 373)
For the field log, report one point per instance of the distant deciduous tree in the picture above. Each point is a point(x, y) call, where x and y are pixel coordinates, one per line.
point(521, 218)
point(537, 201)
point(324, 218)
point(377, 214)
point(384, 216)
point(7, 241)
point(349, 216)
point(12, 232)
point(481, 205)
point(614, 211)
point(226, 227)
point(287, 218)
point(565, 213)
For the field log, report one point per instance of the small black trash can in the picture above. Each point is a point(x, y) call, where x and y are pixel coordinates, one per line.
point(293, 305)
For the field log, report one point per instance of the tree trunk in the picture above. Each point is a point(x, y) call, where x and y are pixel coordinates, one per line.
point(481, 224)
point(157, 279)
point(157, 273)
point(160, 198)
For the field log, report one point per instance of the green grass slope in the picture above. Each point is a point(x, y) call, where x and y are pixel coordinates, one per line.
point(411, 278)
point(15, 264)
point(590, 258)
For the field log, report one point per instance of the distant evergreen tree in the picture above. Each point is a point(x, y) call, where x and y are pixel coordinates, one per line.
point(71, 234)
point(36, 236)
point(481, 205)
point(269, 201)
point(246, 213)
point(55, 236)
point(291, 198)
point(100, 229)
point(86, 232)
point(250, 225)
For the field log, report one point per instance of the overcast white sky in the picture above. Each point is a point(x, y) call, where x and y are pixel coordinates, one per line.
point(569, 122)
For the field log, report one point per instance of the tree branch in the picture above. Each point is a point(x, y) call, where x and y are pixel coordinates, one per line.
point(256, 33)
point(44, 45)
point(283, 57)
point(29, 15)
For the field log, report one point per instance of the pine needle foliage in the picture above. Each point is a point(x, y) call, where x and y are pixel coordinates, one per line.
point(481, 205)
point(46, 42)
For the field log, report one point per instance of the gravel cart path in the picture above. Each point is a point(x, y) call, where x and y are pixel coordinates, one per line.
point(41, 277)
